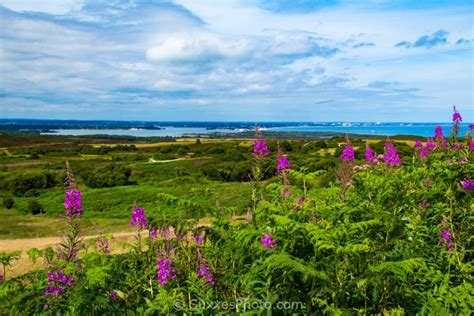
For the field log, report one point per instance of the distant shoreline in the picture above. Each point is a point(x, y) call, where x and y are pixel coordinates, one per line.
point(222, 129)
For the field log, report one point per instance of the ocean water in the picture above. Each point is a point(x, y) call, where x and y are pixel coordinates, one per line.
point(168, 131)
point(389, 129)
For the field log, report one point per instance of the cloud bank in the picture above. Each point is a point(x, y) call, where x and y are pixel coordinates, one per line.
point(235, 60)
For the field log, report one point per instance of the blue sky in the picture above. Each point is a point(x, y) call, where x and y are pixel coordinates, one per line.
point(257, 60)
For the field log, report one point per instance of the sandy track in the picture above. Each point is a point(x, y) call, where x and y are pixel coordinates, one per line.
point(9, 245)
point(24, 264)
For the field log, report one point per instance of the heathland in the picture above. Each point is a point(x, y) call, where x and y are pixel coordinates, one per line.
point(325, 226)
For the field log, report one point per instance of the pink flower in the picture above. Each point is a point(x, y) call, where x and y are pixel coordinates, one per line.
point(457, 146)
point(430, 145)
point(347, 153)
point(369, 154)
point(286, 192)
point(205, 271)
point(267, 241)
point(282, 163)
point(470, 143)
point(438, 132)
point(456, 115)
point(138, 218)
point(423, 153)
point(73, 202)
point(391, 155)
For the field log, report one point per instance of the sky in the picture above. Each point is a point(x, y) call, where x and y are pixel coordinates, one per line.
point(230, 60)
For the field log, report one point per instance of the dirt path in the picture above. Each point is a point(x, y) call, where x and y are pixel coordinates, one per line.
point(24, 264)
point(24, 244)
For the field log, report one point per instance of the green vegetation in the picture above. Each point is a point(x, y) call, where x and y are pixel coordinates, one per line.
point(199, 176)
point(329, 236)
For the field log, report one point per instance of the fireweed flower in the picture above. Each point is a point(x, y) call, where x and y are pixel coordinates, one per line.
point(2, 278)
point(446, 238)
point(423, 153)
point(418, 144)
point(165, 272)
point(165, 233)
point(444, 143)
point(267, 241)
point(300, 200)
point(205, 271)
point(457, 119)
point(73, 202)
point(113, 296)
point(199, 240)
point(468, 184)
point(391, 155)
point(58, 282)
point(103, 247)
point(456, 115)
point(286, 192)
point(138, 218)
point(282, 163)
point(260, 148)
point(347, 153)
point(369, 154)
point(430, 145)
point(463, 160)
point(153, 232)
point(457, 146)
point(470, 144)
point(438, 133)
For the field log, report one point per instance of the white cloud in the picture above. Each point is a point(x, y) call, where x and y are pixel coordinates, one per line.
point(195, 45)
point(45, 6)
point(142, 57)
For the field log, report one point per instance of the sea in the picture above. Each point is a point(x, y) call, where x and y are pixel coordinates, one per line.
point(385, 129)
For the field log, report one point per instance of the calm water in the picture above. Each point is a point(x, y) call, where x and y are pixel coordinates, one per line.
point(168, 131)
point(420, 129)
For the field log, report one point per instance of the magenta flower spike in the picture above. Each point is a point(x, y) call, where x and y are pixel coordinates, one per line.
point(391, 155)
point(58, 283)
point(347, 153)
point(267, 241)
point(282, 163)
point(468, 184)
point(205, 271)
point(260, 148)
point(369, 154)
point(73, 202)
point(457, 118)
point(430, 145)
point(138, 218)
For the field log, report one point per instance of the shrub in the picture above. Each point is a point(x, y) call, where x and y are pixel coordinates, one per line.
point(23, 183)
point(8, 203)
point(35, 208)
point(108, 176)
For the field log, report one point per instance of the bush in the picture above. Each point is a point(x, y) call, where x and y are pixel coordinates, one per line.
point(35, 208)
point(8, 203)
point(108, 176)
point(23, 183)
